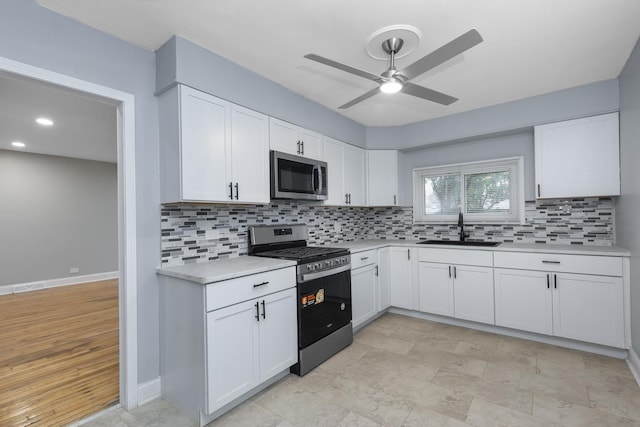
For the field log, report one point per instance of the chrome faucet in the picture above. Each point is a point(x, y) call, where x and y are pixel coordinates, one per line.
point(463, 234)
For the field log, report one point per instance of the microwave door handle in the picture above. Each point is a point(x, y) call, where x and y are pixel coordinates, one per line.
point(319, 179)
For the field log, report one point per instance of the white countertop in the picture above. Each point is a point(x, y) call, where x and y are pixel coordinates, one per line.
point(224, 269)
point(363, 245)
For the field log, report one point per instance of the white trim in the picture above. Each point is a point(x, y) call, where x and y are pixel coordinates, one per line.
point(149, 391)
point(54, 283)
point(633, 361)
point(127, 262)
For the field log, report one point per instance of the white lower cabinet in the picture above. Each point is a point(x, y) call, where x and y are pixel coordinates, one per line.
point(401, 277)
point(384, 278)
point(585, 307)
point(248, 343)
point(222, 340)
point(449, 288)
point(460, 291)
point(364, 301)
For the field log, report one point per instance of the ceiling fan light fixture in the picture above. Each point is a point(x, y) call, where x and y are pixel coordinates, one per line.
point(392, 85)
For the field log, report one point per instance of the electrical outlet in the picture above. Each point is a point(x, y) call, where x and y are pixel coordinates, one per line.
point(74, 270)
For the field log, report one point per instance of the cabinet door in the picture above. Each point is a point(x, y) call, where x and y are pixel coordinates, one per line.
point(473, 293)
point(354, 170)
point(382, 177)
point(283, 136)
point(278, 333)
point(401, 278)
point(233, 363)
point(333, 153)
point(436, 288)
point(588, 308)
point(250, 155)
point(384, 279)
point(364, 304)
point(311, 144)
point(578, 158)
point(523, 300)
point(205, 138)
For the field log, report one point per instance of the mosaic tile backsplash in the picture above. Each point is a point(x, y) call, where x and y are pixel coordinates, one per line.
point(199, 233)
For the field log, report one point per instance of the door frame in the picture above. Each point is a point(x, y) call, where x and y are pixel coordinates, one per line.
point(127, 258)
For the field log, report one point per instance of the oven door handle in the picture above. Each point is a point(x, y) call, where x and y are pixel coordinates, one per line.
point(313, 276)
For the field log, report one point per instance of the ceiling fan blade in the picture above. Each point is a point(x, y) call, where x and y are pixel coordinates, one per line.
point(360, 98)
point(342, 67)
point(428, 94)
point(443, 54)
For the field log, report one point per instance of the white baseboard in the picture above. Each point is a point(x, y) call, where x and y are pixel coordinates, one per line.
point(633, 361)
point(149, 391)
point(53, 283)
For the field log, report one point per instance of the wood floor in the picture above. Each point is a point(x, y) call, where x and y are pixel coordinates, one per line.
point(58, 354)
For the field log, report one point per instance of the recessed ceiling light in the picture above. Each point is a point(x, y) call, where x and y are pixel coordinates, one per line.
point(44, 121)
point(18, 144)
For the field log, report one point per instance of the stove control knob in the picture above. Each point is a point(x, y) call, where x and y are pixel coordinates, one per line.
point(317, 266)
point(327, 263)
point(309, 267)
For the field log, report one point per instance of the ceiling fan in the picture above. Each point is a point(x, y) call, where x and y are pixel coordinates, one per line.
point(392, 80)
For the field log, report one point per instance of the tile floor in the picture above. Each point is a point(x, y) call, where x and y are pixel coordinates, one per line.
point(402, 371)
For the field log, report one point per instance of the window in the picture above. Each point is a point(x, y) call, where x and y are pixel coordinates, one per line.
point(488, 191)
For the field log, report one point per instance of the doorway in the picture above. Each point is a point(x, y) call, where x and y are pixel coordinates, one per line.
point(126, 199)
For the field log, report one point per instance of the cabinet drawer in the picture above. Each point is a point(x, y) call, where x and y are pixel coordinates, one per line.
point(456, 256)
point(233, 291)
point(363, 258)
point(584, 264)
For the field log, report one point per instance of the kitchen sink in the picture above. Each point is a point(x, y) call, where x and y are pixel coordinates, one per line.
point(458, 243)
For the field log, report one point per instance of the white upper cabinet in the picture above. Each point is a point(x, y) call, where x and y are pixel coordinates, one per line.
point(289, 138)
point(345, 173)
point(212, 150)
point(382, 178)
point(578, 158)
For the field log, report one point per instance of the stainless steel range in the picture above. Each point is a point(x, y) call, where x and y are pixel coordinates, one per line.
point(323, 287)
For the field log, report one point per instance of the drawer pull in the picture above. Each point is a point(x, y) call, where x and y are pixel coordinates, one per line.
point(364, 258)
point(257, 285)
point(550, 262)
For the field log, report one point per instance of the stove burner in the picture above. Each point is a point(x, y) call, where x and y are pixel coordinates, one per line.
point(302, 253)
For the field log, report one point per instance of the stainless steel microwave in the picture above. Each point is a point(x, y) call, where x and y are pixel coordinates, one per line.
point(295, 177)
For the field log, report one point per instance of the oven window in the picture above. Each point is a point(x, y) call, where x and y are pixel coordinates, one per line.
point(324, 305)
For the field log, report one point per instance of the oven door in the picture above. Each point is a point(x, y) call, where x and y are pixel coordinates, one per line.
point(324, 305)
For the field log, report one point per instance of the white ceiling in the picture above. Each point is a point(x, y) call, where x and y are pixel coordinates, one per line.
point(530, 47)
point(84, 126)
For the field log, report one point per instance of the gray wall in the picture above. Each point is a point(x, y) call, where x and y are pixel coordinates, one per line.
point(184, 62)
point(596, 98)
point(628, 206)
point(58, 213)
point(519, 144)
point(39, 37)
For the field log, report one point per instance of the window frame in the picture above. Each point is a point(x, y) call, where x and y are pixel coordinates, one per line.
point(514, 164)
